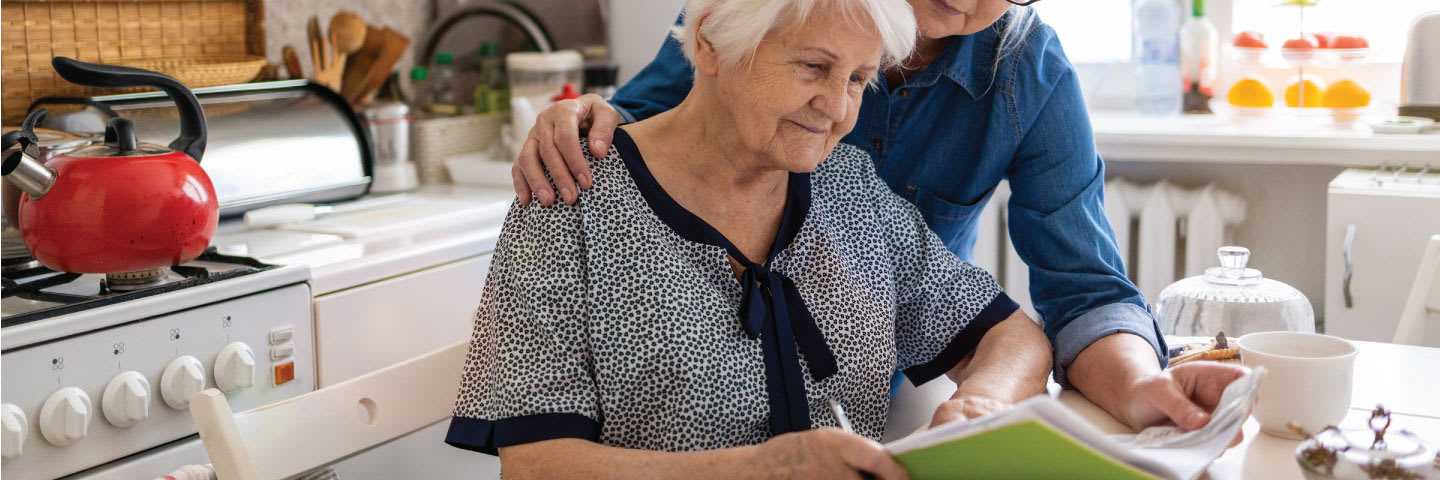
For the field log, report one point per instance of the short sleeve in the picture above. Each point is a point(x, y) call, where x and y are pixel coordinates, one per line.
point(944, 304)
point(528, 376)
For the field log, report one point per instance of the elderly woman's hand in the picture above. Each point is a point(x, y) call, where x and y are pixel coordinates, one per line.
point(555, 141)
point(824, 453)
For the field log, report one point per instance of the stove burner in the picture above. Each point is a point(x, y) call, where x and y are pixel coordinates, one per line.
point(18, 264)
point(38, 293)
point(131, 281)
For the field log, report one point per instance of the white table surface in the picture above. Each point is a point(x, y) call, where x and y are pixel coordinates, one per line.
point(1405, 379)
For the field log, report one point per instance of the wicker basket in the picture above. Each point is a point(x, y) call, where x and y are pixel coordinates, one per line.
point(439, 139)
point(116, 32)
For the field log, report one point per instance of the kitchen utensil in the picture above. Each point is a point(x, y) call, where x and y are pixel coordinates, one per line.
point(1379, 451)
point(300, 212)
point(393, 47)
point(323, 57)
point(349, 31)
point(292, 62)
point(360, 62)
point(1309, 381)
point(389, 127)
point(347, 35)
point(120, 207)
point(1420, 74)
point(1232, 298)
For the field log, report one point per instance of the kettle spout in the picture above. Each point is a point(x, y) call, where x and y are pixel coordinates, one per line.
point(27, 174)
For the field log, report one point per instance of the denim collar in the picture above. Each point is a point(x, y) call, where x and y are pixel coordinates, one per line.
point(966, 61)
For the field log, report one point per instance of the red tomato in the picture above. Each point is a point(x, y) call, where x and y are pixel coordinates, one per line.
point(1250, 40)
point(1305, 42)
point(1326, 39)
point(1350, 41)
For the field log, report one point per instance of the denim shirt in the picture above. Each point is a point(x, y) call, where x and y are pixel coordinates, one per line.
point(946, 137)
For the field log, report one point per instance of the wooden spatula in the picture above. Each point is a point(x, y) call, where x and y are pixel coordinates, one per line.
point(323, 56)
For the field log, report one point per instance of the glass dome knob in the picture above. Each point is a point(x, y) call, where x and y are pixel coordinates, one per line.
point(1234, 257)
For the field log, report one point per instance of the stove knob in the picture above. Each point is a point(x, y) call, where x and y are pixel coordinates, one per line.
point(185, 376)
point(16, 427)
point(65, 418)
point(126, 400)
point(235, 367)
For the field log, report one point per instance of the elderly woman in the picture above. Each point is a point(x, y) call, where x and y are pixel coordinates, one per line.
point(719, 285)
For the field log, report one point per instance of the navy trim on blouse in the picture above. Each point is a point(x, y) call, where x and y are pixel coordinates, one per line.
point(488, 436)
point(997, 311)
point(771, 308)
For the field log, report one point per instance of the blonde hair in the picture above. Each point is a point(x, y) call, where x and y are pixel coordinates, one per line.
point(734, 28)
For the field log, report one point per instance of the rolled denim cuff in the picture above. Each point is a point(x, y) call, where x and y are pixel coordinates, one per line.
point(1099, 323)
point(625, 115)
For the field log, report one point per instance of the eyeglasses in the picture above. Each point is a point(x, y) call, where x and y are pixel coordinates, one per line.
point(1023, 3)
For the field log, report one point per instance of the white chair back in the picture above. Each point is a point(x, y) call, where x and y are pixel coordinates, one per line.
point(319, 428)
point(1423, 302)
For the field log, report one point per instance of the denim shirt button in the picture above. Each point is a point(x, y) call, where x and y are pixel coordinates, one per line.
point(904, 93)
point(878, 144)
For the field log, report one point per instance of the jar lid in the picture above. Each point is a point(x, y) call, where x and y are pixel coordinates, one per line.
point(557, 61)
point(1233, 282)
point(1374, 452)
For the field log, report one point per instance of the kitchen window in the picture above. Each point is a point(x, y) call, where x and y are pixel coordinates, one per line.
point(1098, 31)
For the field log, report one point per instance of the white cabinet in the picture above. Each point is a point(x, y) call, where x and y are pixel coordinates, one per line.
point(372, 326)
point(1392, 216)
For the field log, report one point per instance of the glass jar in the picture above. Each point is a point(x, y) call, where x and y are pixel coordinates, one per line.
point(1233, 299)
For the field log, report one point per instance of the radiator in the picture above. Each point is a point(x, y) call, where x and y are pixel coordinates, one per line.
point(1164, 233)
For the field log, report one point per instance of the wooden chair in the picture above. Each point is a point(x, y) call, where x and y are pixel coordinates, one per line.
point(1424, 300)
point(322, 427)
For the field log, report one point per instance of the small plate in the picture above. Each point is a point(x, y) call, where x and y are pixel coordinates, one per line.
point(1401, 125)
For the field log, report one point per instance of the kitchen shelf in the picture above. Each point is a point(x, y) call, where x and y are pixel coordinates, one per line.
point(1274, 140)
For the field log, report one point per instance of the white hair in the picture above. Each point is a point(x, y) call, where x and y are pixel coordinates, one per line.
point(734, 28)
point(1012, 35)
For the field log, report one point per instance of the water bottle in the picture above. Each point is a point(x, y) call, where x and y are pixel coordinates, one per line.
point(1158, 85)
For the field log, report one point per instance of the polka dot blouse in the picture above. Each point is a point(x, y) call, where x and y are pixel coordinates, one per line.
point(620, 320)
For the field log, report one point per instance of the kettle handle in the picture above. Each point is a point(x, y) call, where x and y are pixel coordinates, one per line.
point(192, 118)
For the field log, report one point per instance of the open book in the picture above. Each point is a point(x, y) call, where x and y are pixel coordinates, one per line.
point(1041, 438)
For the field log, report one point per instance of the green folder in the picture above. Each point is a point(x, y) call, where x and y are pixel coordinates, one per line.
point(1026, 450)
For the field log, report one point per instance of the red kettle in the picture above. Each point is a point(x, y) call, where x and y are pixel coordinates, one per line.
point(121, 206)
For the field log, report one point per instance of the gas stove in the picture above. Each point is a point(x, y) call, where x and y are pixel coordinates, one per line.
point(100, 368)
point(38, 293)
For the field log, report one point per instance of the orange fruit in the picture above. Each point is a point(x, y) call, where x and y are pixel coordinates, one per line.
point(1310, 85)
point(1251, 92)
point(1345, 94)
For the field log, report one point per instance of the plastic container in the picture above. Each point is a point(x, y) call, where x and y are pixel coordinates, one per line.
point(1157, 57)
point(1233, 299)
point(539, 76)
point(491, 93)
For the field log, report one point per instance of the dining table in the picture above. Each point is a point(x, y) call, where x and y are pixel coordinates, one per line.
point(1404, 379)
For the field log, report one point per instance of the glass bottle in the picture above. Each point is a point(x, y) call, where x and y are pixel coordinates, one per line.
point(1199, 48)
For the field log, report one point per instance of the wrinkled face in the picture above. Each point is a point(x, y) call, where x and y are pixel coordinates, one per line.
point(943, 18)
point(801, 91)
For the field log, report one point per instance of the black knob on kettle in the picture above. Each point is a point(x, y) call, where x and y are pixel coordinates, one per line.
point(192, 117)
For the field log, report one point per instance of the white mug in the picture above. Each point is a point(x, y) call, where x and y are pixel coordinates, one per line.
point(1309, 380)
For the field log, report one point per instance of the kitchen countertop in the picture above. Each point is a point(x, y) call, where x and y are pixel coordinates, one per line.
point(432, 226)
point(1277, 139)
point(1399, 376)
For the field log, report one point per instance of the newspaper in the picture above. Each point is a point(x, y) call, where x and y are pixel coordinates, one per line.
point(1163, 451)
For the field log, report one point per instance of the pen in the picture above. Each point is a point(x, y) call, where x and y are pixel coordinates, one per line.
point(839, 414)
